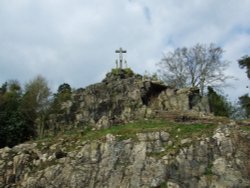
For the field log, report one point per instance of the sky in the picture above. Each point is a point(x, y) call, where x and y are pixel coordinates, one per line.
point(74, 41)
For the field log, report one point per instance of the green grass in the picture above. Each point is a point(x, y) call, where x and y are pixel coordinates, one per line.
point(69, 140)
point(181, 131)
point(208, 170)
point(245, 128)
point(177, 131)
point(191, 129)
point(163, 185)
point(130, 130)
point(127, 130)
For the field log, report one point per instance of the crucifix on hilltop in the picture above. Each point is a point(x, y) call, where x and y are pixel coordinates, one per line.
point(120, 51)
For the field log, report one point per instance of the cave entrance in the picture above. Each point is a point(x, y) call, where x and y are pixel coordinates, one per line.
point(151, 91)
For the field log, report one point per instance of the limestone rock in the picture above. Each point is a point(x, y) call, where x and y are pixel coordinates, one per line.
point(221, 160)
point(120, 98)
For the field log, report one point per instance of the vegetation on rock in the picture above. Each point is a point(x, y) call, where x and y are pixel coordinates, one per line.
point(63, 94)
point(121, 97)
point(219, 105)
point(128, 130)
point(244, 100)
point(149, 153)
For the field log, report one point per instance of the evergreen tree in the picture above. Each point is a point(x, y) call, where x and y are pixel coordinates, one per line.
point(244, 100)
point(14, 128)
point(63, 94)
point(245, 104)
point(218, 104)
point(244, 62)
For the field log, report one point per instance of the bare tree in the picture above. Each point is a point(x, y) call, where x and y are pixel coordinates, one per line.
point(198, 66)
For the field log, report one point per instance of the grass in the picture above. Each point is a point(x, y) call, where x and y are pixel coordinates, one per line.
point(163, 185)
point(73, 138)
point(130, 130)
point(186, 130)
point(208, 170)
point(177, 131)
point(245, 128)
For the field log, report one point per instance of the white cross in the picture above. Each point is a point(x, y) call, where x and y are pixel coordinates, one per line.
point(120, 51)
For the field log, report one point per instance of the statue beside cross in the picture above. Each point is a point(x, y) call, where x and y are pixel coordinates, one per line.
point(121, 52)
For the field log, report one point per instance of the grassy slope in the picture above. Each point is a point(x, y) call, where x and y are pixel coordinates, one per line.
point(177, 131)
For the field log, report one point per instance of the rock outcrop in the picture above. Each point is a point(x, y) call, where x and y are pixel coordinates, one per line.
point(121, 97)
point(94, 154)
point(150, 159)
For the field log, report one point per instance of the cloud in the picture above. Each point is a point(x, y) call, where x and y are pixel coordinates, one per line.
point(74, 41)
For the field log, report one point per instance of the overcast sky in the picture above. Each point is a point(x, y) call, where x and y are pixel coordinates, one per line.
point(74, 41)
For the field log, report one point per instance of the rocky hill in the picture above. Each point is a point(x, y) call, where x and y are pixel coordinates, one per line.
point(143, 154)
point(122, 97)
point(128, 131)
